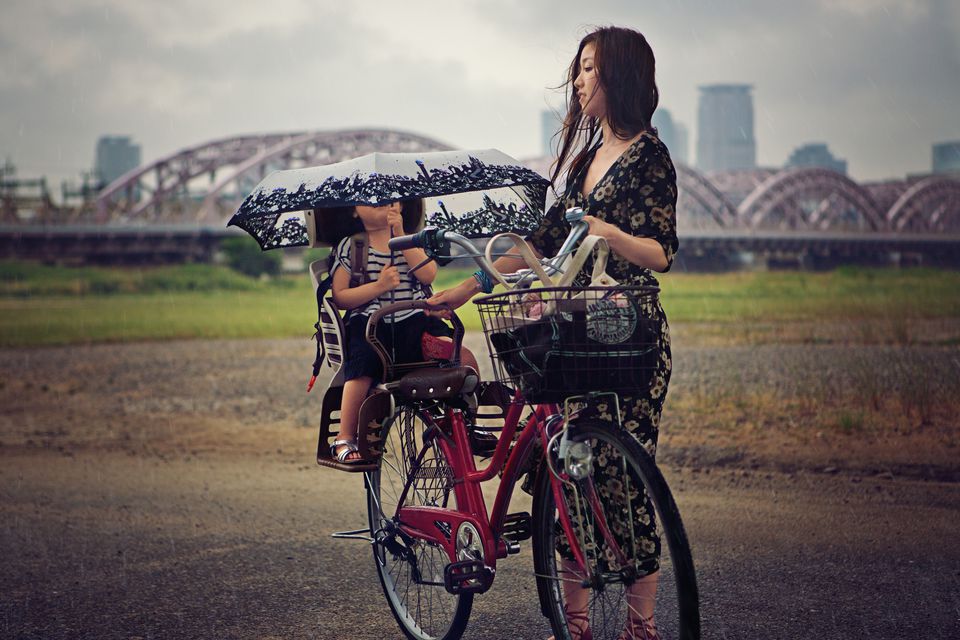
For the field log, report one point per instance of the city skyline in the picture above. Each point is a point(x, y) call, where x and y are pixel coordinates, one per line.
point(180, 75)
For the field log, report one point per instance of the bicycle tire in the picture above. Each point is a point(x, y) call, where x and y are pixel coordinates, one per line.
point(423, 612)
point(677, 601)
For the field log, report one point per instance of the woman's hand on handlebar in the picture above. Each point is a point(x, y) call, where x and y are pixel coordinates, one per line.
point(601, 228)
point(455, 297)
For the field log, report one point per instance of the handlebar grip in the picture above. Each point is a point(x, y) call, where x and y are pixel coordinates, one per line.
point(401, 243)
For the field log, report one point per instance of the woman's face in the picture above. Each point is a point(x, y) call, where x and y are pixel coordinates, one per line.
point(593, 100)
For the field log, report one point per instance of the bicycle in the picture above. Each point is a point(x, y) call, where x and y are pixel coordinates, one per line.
point(434, 544)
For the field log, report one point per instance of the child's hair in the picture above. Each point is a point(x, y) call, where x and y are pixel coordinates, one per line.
point(333, 224)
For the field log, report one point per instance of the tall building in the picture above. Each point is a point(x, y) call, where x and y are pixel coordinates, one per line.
point(725, 128)
point(116, 155)
point(683, 143)
point(946, 157)
point(550, 123)
point(672, 133)
point(816, 155)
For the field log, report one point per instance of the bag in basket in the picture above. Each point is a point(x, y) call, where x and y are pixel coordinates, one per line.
point(600, 342)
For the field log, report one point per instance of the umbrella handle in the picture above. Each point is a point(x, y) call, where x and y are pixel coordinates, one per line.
point(393, 326)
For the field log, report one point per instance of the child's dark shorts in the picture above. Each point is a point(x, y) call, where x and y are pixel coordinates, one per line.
point(401, 338)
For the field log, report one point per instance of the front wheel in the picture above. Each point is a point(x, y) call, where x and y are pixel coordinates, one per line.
point(645, 580)
point(410, 570)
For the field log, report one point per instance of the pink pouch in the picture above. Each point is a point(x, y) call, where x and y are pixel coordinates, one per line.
point(435, 348)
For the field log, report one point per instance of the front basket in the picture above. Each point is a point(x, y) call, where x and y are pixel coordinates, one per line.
point(553, 343)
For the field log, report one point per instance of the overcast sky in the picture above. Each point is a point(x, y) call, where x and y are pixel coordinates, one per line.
point(879, 80)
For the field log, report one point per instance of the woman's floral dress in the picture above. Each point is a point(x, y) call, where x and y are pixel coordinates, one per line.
point(639, 195)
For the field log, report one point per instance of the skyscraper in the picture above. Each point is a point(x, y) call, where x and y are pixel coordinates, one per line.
point(946, 157)
point(550, 123)
point(672, 133)
point(725, 128)
point(116, 155)
point(682, 154)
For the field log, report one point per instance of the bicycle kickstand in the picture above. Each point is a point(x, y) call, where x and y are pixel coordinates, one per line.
point(353, 535)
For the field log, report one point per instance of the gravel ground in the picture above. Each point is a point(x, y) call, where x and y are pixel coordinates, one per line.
point(183, 397)
point(108, 545)
point(165, 490)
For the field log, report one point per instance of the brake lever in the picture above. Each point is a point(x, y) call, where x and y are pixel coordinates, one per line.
point(436, 245)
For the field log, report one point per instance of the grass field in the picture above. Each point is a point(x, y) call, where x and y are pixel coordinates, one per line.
point(854, 368)
point(58, 305)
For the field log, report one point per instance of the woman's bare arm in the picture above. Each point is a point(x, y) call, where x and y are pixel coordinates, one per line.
point(641, 251)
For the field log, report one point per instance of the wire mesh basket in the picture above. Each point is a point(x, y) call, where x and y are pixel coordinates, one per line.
point(556, 342)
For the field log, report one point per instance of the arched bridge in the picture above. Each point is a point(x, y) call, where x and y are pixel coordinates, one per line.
point(816, 200)
point(205, 184)
point(186, 197)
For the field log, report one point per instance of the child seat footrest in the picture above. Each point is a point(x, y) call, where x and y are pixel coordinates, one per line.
point(373, 413)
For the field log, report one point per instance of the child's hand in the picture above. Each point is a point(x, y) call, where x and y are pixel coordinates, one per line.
point(389, 278)
point(395, 222)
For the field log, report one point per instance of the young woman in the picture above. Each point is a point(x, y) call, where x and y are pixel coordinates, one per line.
point(621, 174)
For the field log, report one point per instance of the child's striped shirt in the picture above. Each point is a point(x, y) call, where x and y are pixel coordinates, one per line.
point(409, 288)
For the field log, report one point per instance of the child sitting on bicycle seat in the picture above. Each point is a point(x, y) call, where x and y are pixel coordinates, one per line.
point(388, 279)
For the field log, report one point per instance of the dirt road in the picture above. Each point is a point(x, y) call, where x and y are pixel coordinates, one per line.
point(165, 490)
point(118, 546)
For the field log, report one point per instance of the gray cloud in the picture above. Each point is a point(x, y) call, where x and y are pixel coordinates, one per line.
point(877, 80)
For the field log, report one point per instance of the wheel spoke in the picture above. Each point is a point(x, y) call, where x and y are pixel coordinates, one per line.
point(423, 607)
point(628, 544)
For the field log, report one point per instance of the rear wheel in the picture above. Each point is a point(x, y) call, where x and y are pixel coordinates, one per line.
point(653, 579)
point(411, 571)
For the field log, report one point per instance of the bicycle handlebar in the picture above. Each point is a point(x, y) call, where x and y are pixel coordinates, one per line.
point(411, 241)
point(436, 238)
point(574, 214)
point(436, 242)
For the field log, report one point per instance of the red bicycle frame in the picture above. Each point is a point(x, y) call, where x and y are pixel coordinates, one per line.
point(441, 524)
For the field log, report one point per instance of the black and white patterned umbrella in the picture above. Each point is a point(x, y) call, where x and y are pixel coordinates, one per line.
point(477, 193)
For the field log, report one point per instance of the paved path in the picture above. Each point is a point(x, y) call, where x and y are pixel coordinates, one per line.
point(238, 546)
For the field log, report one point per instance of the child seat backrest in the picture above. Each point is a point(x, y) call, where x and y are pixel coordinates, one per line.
point(331, 335)
point(330, 323)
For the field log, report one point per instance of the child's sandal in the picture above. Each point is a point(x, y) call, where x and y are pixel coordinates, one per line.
point(349, 446)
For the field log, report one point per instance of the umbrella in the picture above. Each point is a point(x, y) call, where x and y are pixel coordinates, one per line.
point(477, 193)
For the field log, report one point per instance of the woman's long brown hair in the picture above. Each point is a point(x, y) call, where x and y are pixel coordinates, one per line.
point(626, 69)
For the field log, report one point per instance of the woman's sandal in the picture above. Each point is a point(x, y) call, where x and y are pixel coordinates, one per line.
point(640, 629)
point(578, 622)
point(349, 446)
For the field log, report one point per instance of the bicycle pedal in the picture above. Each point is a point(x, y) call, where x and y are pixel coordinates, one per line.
point(512, 546)
point(517, 526)
point(468, 576)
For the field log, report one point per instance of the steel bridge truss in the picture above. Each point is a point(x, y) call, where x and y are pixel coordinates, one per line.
point(204, 184)
point(161, 191)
